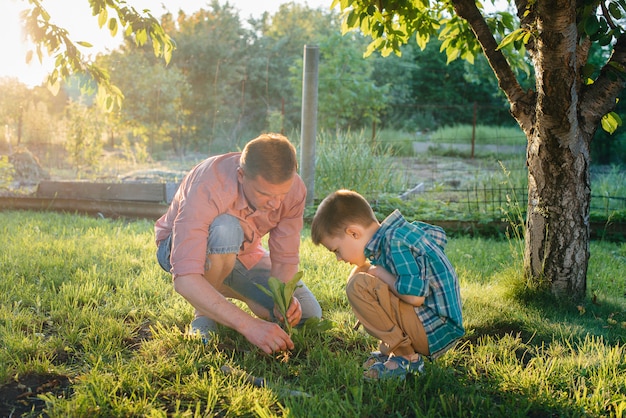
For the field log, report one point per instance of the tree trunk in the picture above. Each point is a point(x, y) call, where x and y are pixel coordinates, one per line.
point(559, 194)
point(557, 233)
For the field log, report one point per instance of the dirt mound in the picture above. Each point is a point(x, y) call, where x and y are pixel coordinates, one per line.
point(27, 170)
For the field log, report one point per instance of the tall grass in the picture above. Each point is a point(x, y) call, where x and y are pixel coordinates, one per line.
point(348, 160)
point(84, 298)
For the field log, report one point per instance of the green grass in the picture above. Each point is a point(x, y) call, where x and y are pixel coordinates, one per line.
point(83, 300)
point(462, 134)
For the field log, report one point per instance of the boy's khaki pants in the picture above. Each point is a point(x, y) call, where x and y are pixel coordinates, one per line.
point(386, 317)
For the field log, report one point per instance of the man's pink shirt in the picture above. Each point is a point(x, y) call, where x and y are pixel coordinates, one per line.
point(211, 189)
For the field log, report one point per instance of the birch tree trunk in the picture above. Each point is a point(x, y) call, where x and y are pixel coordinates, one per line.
point(559, 193)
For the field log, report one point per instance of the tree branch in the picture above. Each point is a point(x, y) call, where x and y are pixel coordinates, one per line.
point(598, 99)
point(522, 103)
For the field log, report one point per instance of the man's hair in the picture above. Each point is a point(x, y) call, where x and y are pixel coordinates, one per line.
point(270, 156)
point(338, 210)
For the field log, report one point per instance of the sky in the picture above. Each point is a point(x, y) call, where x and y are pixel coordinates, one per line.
point(75, 16)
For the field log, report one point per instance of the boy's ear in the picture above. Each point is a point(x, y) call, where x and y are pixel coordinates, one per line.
point(354, 231)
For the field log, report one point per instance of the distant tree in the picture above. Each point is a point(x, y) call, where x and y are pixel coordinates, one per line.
point(84, 137)
point(559, 115)
point(424, 87)
point(210, 55)
point(348, 97)
point(27, 115)
point(284, 36)
point(14, 98)
point(155, 96)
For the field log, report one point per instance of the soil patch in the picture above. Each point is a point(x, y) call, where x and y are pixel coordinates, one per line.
point(20, 396)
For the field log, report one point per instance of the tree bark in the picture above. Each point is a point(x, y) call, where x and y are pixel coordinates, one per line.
point(559, 193)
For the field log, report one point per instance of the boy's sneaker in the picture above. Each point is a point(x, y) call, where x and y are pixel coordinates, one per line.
point(379, 371)
point(375, 357)
point(203, 327)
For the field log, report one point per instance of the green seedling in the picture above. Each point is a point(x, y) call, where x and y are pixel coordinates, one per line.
point(281, 293)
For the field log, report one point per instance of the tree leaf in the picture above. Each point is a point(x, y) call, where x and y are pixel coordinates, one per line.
point(610, 122)
point(615, 11)
point(591, 25)
point(511, 37)
point(102, 17)
point(113, 26)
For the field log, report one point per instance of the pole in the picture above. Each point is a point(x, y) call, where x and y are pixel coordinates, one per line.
point(474, 129)
point(309, 120)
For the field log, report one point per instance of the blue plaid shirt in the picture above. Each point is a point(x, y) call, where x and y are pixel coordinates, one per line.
point(414, 253)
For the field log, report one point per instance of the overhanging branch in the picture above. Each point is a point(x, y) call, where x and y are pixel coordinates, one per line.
point(522, 103)
point(598, 99)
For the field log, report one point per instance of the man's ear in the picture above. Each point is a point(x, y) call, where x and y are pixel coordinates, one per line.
point(240, 174)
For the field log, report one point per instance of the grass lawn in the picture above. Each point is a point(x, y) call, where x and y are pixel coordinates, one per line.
point(91, 327)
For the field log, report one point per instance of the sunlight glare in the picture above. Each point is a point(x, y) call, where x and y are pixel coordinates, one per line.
point(13, 63)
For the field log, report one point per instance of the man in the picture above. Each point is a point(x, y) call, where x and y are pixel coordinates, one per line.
point(210, 240)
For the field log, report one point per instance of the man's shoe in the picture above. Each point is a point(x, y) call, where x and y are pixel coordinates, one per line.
point(203, 327)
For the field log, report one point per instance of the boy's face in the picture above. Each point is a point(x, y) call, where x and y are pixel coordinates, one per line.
point(348, 246)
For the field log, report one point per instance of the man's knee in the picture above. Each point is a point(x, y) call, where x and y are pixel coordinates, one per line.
point(225, 235)
point(218, 267)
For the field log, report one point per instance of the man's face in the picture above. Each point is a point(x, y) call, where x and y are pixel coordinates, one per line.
point(261, 194)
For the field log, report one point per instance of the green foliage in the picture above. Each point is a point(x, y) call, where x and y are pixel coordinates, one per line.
point(6, 172)
point(347, 95)
point(155, 109)
point(84, 137)
point(462, 134)
point(426, 92)
point(393, 142)
point(390, 25)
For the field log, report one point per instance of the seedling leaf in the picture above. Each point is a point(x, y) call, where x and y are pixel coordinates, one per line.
point(281, 293)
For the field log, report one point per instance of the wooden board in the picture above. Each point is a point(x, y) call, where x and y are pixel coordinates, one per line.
point(135, 192)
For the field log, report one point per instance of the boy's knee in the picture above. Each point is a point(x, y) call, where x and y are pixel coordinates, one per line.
point(359, 283)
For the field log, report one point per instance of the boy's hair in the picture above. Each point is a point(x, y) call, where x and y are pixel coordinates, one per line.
point(270, 156)
point(338, 210)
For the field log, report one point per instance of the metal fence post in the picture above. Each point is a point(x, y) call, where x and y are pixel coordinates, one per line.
point(309, 120)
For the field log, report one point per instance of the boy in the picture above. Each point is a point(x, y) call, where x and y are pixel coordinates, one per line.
point(403, 289)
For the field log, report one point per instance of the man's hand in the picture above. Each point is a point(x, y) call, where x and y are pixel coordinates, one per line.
point(294, 312)
point(268, 336)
